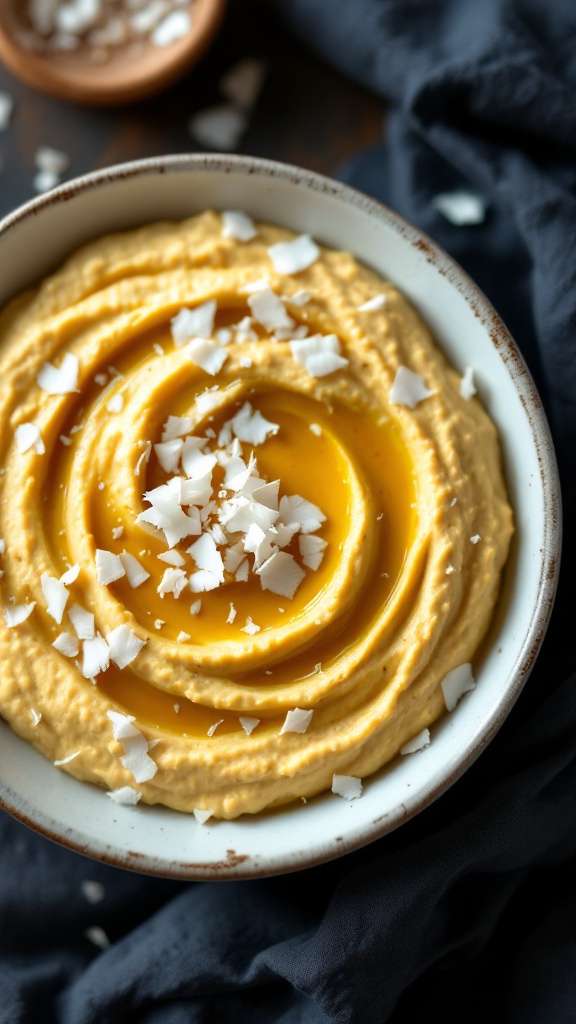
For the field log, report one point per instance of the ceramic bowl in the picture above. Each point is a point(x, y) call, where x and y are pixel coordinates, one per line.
point(33, 241)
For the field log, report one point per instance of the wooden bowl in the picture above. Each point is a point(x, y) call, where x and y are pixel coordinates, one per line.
point(130, 72)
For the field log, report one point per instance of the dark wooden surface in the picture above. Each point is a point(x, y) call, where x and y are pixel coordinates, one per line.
point(307, 114)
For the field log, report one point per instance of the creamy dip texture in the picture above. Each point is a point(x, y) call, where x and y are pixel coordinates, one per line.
point(252, 523)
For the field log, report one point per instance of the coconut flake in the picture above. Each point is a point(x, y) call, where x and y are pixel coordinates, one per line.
point(475, 538)
point(115, 404)
point(93, 892)
point(125, 796)
point(176, 426)
point(297, 721)
point(242, 84)
point(460, 208)
point(467, 386)
point(312, 550)
point(16, 614)
point(202, 815)
point(71, 575)
point(408, 388)
point(174, 26)
point(173, 582)
point(195, 607)
point(319, 354)
point(82, 621)
point(231, 614)
point(251, 628)
point(347, 786)
point(55, 595)
point(124, 645)
point(292, 257)
point(6, 108)
point(136, 759)
point(62, 380)
point(213, 728)
point(182, 637)
point(193, 323)
point(95, 657)
point(66, 760)
point(377, 302)
point(269, 310)
point(300, 298)
point(456, 683)
point(297, 510)
point(109, 567)
point(208, 355)
point(28, 435)
point(206, 555)
point(238, 225)
point(417, 742)
point(67, 645)
point(281, 574)
point(251, 427)
point(36, 717)
point(168, 454)
point(219, 127)
point(143, 458)
point(172, 557)
point(249, 724)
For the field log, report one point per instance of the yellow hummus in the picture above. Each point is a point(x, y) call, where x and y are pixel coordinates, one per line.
point(249, 520)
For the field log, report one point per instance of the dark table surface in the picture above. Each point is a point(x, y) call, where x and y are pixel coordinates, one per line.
point(306, 114)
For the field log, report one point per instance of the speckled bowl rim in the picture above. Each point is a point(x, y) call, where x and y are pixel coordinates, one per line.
point(235, 865)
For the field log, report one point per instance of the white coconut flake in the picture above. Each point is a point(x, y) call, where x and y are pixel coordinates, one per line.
point(95, 657)
point(182, 637)
point(467, 386)
point(174, 26)
point(319, 354)
point(297, 721)
point(297, 510)
point(417, 742)
point(44, 181)
point(231, 614)
point(136, 759)
point(219, 127)
point(238, 225)
point(144, 457)
point(71, 575)
point(62, 380)
point(115, 404)
point(168, 454)
point(460, 208)
point(251, 426)
point(117, 532)
point(93, 892)
point(124, 646)
point(28, 435)
point(2, 546)
point(312, 550)
point(202, 815)
point(456, 683)
point(36, 717)
point(48, 159)
point(300, 298)
point(475, 538)
point(206, 555)
point(243, 83)
point(176, 426)
point(172, 557)
point(251, 628)
point(82, 621)
point(16, 614)
point(377, 302)
point(208, 355)
point(292, 257)
point(269, 310)
point(6, 108)
point(174, 581)
point(249, 724)
point(109, 567)
point(316, 429)
point(193, 323)
point(125, 796)
point(55, 595)
point(281, 574)
point(195, 607)
point(97, 936)
point(408, 388)
point(347, 786)
point(67, 645)
point(66, 760)
point(213, 728)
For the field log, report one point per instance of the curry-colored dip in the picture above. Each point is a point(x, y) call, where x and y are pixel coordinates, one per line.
point(242, 545)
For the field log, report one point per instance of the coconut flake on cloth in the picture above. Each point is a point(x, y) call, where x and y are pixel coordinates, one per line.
point(408, 388)
point(219, 127)
point(136, 758)
point(456, 683)
point(460, 208)
point(242, 83)
point(294, 256)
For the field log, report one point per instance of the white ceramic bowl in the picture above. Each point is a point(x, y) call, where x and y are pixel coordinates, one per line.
point(33, 241)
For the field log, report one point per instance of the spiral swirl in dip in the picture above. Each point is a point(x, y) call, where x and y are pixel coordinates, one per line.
point(253, 524)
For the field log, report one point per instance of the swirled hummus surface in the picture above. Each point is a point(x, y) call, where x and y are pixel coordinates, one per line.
point(252, 523)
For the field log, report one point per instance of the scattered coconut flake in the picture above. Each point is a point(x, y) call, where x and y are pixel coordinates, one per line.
point(158, 623)
point(44, 181)
point(295, 509)
point(62, 380)
point(176, 426)
point(158, 349)
point(82, 621)
point(207, 355)
point(124, 645)
point(17, 613)
point(109, 567)
point(36, 717)
point(249, 724)
point(66, 441)
point(173, 582)
point(206, 555)
point(174, 26)
point(300, 298)
point(97, 936)
point(456, 683)
point(136, 759)
point(172, 557)
point(475, 538)
point(143, 458)
point(6, 108)
point(116, 403)
point(213, 728)
point(101, 379)
point(66, 760)
point(136, 574)
point(312, 550)
point(467, 386)
point(243, 83)
point(93, 892)
point(297, 721)
point(319, 354)
point(28, 435)
point(251, 628)
point(417, 742)
point(269, 310)
point(377, 302)
point(347, 786)
point(219, 127)
point(202, 815)
point(408, 388)
point(245, 362)
point(231, 614)
point(55, 595)
point(281, 574)
point(95, 657)
point(450, 570)
point(67, 645)
point(251, 427)
point(117, 532)
point(208, 400)
point(2, 546)
point(316, 429)
point(238, 225)
point(256, 286)
point(460, 208)
point(168, 454)
point(292, 257)
point(195, 607)
point(193, 323)
point(125, 796)
point(453, 502)
point(71, 575)
point(182, 637)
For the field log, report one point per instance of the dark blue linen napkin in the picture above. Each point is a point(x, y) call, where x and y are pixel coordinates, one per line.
point(465, 914)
